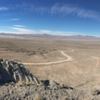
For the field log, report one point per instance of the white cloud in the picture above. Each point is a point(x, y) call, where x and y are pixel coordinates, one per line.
point(45, 31)
point(58, 32)
point(29, 31)
point(64, 9)
point(80, 12)
point(18, 29)
point(9, 32)
point(19, 26)
point(23, 30)
point(14, 19)
point(3, 8)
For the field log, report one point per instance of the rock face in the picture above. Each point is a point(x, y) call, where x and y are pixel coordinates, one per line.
point(13, 72)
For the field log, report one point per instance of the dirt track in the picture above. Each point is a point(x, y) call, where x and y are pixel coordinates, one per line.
point(56, 62)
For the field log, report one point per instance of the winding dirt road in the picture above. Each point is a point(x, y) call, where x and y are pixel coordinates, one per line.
point(69, 58)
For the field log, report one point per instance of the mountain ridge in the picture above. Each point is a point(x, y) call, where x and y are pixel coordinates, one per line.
point(87, 37)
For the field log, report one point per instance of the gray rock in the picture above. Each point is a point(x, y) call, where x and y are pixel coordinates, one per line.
point(14, 72)
point(95, 92)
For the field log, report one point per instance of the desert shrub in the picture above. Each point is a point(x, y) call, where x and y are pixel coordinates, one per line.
point(6, 84)
point(95, 92)
point(12, 83)
point(20, 83)
point(42, 85)
point(28, 84)
point(39, 97)
point(67, 98)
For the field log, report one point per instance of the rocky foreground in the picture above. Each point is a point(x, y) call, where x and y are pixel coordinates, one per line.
point(17, 83)
point(41, 92)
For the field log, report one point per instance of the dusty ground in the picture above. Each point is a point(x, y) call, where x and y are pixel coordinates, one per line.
point(82, 72)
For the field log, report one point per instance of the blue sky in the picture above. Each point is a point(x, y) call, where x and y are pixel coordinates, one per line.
point(61, 17)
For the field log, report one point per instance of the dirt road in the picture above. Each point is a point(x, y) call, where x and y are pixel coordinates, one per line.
point(69, 58)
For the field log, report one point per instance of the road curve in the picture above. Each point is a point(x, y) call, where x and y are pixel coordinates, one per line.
point(69, 58)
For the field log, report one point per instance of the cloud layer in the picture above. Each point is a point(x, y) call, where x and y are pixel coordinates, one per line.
point(3, 8)
point(20, 30)
point(13, 19)
point(19, 26)
point(64, 9)
point(58, 32)
point(79, 12)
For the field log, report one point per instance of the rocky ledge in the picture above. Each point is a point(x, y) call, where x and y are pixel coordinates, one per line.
point(11, 71)
point(17, 83)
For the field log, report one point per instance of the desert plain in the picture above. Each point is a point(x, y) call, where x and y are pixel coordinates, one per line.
point(83, 68)
point(72, 62)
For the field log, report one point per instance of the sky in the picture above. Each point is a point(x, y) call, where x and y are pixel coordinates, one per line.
point(57, 17)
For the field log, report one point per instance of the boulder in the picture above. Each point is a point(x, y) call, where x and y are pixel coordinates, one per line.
point(11, 71)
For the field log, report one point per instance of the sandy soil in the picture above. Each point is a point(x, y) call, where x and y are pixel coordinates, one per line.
point(83, 71)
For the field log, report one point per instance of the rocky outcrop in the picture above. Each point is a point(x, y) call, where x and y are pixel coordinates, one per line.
point(11, 71)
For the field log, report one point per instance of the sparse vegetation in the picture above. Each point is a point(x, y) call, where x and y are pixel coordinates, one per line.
point(95, 92)
point(67, 98)
point(81, 73)
point(42, 85)
point(29, 83)
point(39, 97)
point(6, 84)
point(20, 83)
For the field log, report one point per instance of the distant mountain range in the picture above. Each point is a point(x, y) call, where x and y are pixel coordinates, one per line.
point(84, 37)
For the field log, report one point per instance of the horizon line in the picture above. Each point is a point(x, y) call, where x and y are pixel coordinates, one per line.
point(17, 33)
